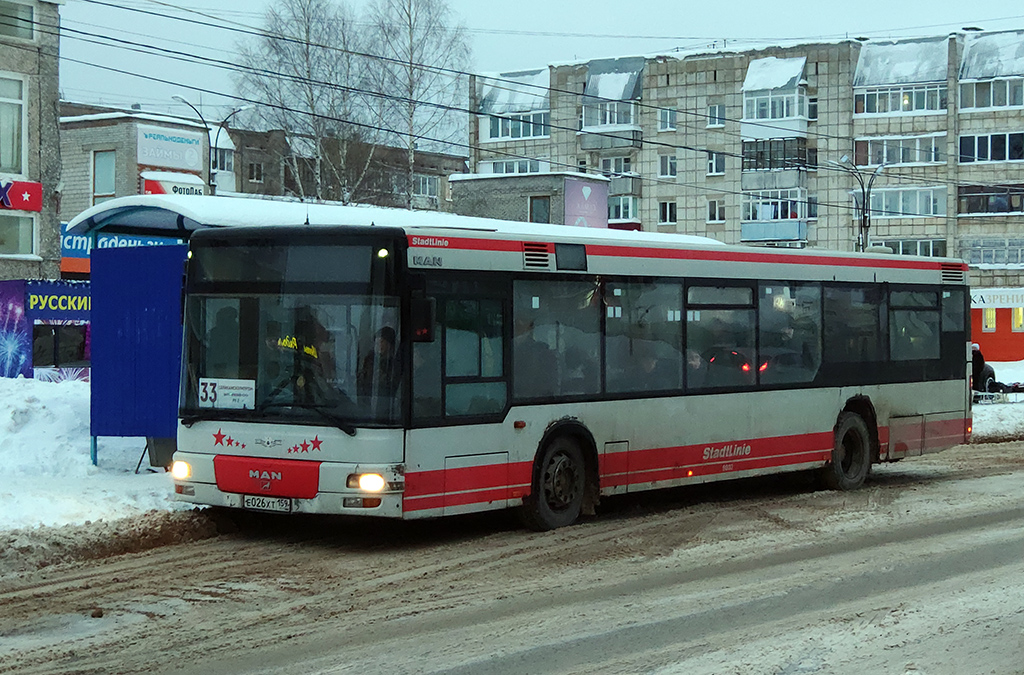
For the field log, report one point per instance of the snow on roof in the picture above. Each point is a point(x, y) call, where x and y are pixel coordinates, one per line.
point(615, 79)
point(902, 62)
point(523, 91)
point(166, 119)
point(455, 178)
point(222, 141)
point(173, 176)
point(178, 215)
point(774, 73)
point(988, 55)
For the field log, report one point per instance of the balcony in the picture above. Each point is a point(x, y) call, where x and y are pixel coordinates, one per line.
point(773, 179)
point(625, 185)
point(763, 129)
point(773, 230)
point(608, 137)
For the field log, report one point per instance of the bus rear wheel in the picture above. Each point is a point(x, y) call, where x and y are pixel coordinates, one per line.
point(559, 484)
point(851, 454)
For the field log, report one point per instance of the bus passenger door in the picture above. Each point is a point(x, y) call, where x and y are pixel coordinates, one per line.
point(906, 436)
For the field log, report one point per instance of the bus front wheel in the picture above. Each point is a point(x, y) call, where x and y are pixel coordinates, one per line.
point(851, 454)
point(559, 484)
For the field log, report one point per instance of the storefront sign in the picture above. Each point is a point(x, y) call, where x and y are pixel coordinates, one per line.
point(997, 297)
point(75, 249)
point(586, 203)
point(173, 184)
point(170, 148)
point(21, 195)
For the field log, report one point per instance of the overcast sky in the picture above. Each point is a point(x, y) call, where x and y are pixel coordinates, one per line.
point(504, 36)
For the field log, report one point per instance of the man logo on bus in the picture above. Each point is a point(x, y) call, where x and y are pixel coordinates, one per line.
point(264, 475)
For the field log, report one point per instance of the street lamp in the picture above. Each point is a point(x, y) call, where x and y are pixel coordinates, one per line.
point(849, 167)
point(216, 145)
point(182, 99)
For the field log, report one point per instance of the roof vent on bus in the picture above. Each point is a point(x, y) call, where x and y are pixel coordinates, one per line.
point(953, 273)
point(537, 256)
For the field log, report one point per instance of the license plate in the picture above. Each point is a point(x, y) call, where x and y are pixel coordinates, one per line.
point(279, 504)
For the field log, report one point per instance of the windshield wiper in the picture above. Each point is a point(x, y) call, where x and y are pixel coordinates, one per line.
point(321, 409)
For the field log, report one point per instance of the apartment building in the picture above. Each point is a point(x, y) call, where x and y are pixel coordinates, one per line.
point(29, 153)
point(780, 145)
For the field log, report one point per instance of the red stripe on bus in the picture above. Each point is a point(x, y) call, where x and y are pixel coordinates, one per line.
point(271, 477)
point(422, 483)
point(463, 243)
point(739, 256)
point(776, 461)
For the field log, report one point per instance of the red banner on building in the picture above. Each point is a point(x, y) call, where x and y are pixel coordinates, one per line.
point(21, 195)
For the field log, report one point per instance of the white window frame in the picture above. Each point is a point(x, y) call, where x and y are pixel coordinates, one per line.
point(23, 131)
point(93, 194)
point(426, 185)
point(897, 202)
point(510, 126)
point(716, 163)
point(32, 19)
point(668, 166)
point(719, 211)
point(1011, 84)
point(252, 170)
point(936, 141)
point(609, 114)
point(628, 207)
point(667, 118)
point(716, 115)
point(513, 166)
point(620, 165)
point(988, 159)
point(34, 253)
point(899, 94)
point(668, 213)
point(922, 247)
point(775, 104)
point(787, 204)
point(988, 319)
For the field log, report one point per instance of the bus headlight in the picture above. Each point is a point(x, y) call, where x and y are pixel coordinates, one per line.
point(181, 470)
point(368, 482)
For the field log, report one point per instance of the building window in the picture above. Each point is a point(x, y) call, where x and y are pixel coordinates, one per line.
point(907, 100)
point(622, 208)
point(996, 251)
point(526, 125)
point(17, 235)
point(667, 119)
point(975, 199)
point(812, 109)
point(666, 213)
point(716, 210)
point(900, 150)
point(222, 159)
point(1003, 93)
point(616, 166)
point(716, 115)
point(992, 148)
point(988, 320)
point(512, 166)
point(908, 202)
point(716, 163)
point(925, 247)
point(540, 209)
point(774, 104)
point(778, 153)
point(608, 113)
point(16, 20)
point(255, 172)
point(667, 166)
point(103, 176)
point(774, 205)
point(425, 186)
point(1017, 320)
point(12, 113)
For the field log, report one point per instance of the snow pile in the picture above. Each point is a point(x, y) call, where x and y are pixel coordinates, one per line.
point(48, 476)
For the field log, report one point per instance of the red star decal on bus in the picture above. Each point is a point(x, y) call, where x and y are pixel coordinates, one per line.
point(316, 442)
point(305, 446)
point(218, 438)
point(230, 441)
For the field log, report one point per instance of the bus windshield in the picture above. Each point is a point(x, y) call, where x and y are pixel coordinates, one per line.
point(321, 353)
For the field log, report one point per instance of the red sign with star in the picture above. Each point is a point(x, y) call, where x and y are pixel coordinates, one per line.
point(21, 195)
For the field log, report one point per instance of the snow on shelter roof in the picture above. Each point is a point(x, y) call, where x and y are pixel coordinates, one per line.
point(903, 62)
point(179, 215)
point(523, 91)
point(774, 73)
point(615, 79)
point(988, 55)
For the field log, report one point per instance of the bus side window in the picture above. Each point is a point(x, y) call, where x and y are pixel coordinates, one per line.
point(474, 360)
point(852, 329)
point(913, 325)
point(790, 333)
point(720, 337)
point(644, 336)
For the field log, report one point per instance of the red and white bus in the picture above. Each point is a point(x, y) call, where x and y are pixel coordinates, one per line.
point(416, 371)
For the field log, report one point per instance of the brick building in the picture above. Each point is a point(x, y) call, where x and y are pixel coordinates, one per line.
point(29, 152)
point(771, 146)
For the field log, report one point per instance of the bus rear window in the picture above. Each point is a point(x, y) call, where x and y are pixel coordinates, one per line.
point(294, 263)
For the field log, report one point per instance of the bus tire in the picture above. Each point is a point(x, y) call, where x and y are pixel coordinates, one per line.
point(851, 454)
point(559, 486)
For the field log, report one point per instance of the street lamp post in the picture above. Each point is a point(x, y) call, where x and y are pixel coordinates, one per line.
point(182, 99)
point(216, 145)
point(849, 167)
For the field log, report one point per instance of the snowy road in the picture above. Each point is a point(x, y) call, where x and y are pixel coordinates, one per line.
point(922, 571)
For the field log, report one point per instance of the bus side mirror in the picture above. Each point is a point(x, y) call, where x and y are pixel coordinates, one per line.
point(423, 313)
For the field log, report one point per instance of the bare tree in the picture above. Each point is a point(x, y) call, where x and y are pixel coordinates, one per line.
point(421, 46)
point(302, 68)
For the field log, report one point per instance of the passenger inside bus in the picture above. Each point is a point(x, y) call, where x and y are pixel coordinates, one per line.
point(535, 368)
point(378, 371)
